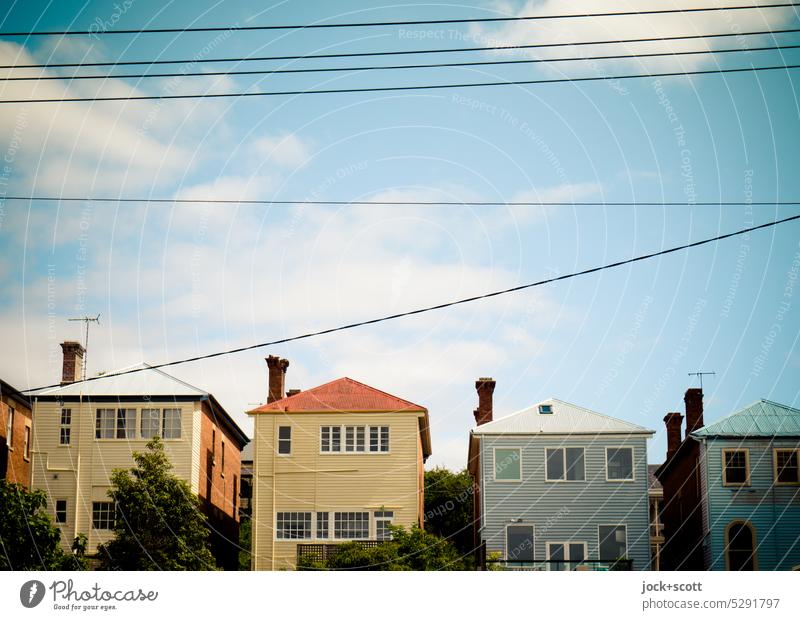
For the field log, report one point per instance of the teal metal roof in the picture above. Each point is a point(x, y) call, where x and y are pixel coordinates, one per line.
point(761, 419)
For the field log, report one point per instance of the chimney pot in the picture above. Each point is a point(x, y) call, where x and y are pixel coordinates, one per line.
point(693, 400)
point(293, 391)
point(72, 366)
point(673, 423)
point(485, 389)
point(277, 377)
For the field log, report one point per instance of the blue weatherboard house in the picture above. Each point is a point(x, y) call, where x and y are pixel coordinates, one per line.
point(748, 492)
point(559, 487)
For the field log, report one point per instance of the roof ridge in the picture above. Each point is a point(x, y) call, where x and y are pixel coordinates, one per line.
point(174, 378)
point(592, 411)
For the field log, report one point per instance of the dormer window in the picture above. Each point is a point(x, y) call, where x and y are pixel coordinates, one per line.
point(545, 409)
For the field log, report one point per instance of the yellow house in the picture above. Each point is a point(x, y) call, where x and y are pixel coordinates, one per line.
point(335, 463)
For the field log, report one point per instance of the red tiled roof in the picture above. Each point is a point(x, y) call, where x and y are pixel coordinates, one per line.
point(343, 394)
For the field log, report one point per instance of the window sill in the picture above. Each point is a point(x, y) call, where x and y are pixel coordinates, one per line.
point(562, 481)
point(620, 479)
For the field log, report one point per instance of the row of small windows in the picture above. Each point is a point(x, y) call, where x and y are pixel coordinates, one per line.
point(354, 525)
point(341, 439)
point(612, 545)
point(567, 464)
point(120, 423)
point(736, 466)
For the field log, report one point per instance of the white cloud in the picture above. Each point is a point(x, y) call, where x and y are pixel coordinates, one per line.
point(286, 150)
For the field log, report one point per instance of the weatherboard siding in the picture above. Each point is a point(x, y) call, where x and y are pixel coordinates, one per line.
point(309, 481)
point(773, 510)
point(566, 511)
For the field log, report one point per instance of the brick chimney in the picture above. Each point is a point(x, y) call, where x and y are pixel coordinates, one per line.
point(673, 423)
point(72, 367)
point(277, 377)
point(694, 409)
point(485, 388)
point(293, 391)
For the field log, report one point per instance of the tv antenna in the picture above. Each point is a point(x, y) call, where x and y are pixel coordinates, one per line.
point(86, 320)
point(700, 376)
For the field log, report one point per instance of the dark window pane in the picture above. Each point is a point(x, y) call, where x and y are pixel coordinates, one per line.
point(555, 464)
point(612, 542)
point(519, 543)
point(575, 464)
point(620, 463)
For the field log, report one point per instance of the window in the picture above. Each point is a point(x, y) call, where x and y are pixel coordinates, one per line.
point(213, 447)
point(351, 525)
point(65, 429)
point(565, 464)
point(786, 465)
point(507, 466)
point(235, 498)
point(324, 438)
point(322, 525)
point(293, 525)
point(150, 424)
point(61, 511)
point(330, 439)
point(735, 467)
point(570, 553)
point(545, 409)
point(103, 515)
point(10, 428)
point(171, 424)
point(383, 518)
point(126, 423)
point(105, 424)
point(26, 447)
point(354, 438)
point(284, 440)
point(619, 463)
point(740, 548)
point(519, 543)
point(612, 542)
point(223, 459)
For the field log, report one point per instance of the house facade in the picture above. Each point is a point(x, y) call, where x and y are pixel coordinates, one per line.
point(742, 511)
point(335, 463)
point(559, 487)
point(16, 435)
point(86, 429)
point(655, 494)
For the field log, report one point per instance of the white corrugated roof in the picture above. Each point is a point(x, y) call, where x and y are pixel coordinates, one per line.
point(565, 419)
point(148, 382)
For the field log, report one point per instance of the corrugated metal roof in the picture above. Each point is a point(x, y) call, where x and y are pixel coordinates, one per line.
point(653, 484)
point(565, 418)
point(148, 382)
point(761, 419)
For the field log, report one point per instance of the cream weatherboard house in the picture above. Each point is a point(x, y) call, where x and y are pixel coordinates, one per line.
point(334, 463)
point(86, 429)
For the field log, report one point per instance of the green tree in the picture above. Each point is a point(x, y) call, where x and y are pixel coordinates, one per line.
point(159, 525)
point(413, 549)
point(245, 538)
point(448, 506)
point(28, 538)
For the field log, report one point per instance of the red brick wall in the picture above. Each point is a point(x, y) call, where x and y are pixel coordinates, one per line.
point(217, 485)
point(18, 466)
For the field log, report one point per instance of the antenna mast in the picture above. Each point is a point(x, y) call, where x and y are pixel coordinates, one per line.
point(700, 375)
point(86, 320)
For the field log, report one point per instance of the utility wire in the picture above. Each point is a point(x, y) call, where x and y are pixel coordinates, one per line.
point(416, 22)
point(449, 304)
point(466, 203)
point(385, 67)
point(384, 89)
point(192, 61)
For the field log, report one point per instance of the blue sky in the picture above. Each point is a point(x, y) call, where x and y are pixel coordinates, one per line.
point(176, 281)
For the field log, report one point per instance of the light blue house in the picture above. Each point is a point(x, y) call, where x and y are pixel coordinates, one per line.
point(560, 487)
point(751, 504)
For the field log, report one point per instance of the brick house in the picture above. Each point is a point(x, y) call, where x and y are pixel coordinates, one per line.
point(15, 435)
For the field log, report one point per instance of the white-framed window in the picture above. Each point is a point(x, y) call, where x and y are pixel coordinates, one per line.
point(571, 553)
point(330, 438)
point(565, 464)
point(383, 518)
point(150, 423)
point(787, 465)
point(103, 515)
point(26, 446)
point(351, 525)
point(10, 428)
point(61, 511)
point(354, 438)
point(736, 467)
point(171, 424)
point(126, 423)
point(65, 427)
point(619, 464)
point(612, 542)
point(507, 464)
point(545, 409)
point(293, 525)
point(105, 424)
point(284, 440)
point(322, 525)
point(378, 438)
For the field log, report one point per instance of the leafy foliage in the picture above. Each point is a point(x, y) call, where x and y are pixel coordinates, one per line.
point(28, 538)
point(245, 538)
point(448, 506)
point(159, 525)
point(413, 549)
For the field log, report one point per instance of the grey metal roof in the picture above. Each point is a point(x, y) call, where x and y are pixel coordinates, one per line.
point(761, 419)
point(653, 484)
point(147, 382)
point(566, 418)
